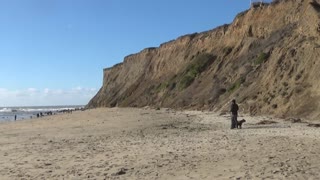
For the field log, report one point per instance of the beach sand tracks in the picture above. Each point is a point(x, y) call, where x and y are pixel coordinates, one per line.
point(184, 126)
point(143, 144)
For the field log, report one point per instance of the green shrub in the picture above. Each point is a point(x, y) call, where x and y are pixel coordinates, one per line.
point(236, 85)
point(261, 58)
point(162, 86)
point(198, 65)
point(186, 81)
point(168, 85)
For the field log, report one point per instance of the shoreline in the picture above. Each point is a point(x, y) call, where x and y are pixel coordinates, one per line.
point(9, 114)
point(133, 143)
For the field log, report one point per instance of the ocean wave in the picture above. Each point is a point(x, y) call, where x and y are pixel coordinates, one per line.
point(5, 110)
point(43, 109)
point(37, 109)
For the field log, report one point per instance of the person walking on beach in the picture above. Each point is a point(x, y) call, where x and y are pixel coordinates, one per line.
point(234, 113)
point(15, 117)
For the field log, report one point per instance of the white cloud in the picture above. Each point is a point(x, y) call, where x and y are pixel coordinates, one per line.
point(46, 91)
point(40, 97)
point(3, 90)
point(32, 90)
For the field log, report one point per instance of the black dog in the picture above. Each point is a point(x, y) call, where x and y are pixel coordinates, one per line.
point(239, 123)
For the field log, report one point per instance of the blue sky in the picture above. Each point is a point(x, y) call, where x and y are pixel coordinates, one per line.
point(52, 52)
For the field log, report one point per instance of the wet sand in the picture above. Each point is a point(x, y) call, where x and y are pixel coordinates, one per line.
point(128, 143)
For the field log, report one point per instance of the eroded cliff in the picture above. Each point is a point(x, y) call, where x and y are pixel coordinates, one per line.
point(268, 59)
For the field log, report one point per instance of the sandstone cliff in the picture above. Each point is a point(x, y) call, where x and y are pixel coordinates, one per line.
point(268, 59)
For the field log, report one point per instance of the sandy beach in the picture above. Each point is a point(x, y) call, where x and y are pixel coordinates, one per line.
point(129, 143)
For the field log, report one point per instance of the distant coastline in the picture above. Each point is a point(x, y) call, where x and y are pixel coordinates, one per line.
point(8, 114)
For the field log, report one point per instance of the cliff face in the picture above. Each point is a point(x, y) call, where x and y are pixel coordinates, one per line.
point(268, 59)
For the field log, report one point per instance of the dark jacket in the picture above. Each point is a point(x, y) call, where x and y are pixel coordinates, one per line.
point(234, 109)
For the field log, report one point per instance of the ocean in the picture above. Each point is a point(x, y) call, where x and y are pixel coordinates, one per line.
point(23, 113)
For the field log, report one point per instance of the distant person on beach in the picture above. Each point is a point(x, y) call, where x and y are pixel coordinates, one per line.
point(234, 113)
point(15, 117)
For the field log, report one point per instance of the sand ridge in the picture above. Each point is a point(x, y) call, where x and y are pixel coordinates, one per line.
point(131, 143)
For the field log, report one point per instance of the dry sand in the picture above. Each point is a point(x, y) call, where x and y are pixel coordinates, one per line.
point(149, 144)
